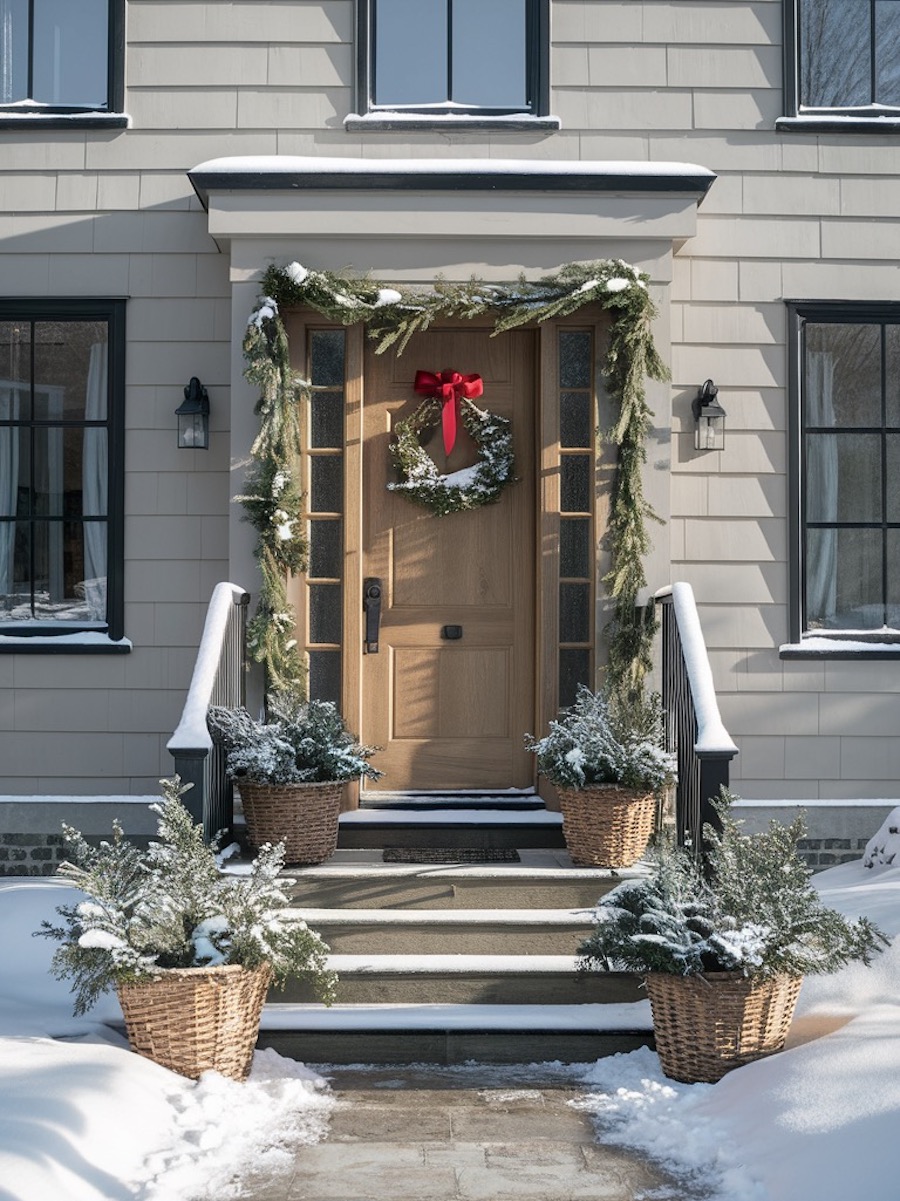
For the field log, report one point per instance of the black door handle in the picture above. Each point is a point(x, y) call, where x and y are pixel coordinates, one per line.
point(372, 609)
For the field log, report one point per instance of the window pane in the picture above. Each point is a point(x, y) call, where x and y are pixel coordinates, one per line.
point(574, 669)
point(843, 579)
point(13, 50)
point(835, 47)
point(892, 477)
point(325, 676)
point(575, 419)
point(15, 570)
point(892, 375)
point(574, 612)
point(327, 357)
point(15, 370)
point(843, 375)
point(489, 53)
point(327, 420)
point(325, 613)
point(843, 474)
point(575, 547)
point(71, 59)
point(892, 617)
point(70, 364)
point(326, 491)
point(325, 549)
point(887, 52)
point(410, 59)
point(576, 483)
point(575, 359)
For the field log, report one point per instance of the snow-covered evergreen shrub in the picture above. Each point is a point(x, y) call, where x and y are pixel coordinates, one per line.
point(606, 739)
point(755, 913)
point(171, 906)
point(304, 741)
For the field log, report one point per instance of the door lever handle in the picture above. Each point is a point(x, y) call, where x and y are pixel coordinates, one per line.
point(372, 608)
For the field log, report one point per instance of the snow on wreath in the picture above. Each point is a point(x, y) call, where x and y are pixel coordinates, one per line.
point(469, 488)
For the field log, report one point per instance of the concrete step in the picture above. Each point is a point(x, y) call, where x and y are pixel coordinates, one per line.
point(450, 931)
point(470, 980)
point(543, 879)
point(455, 1034)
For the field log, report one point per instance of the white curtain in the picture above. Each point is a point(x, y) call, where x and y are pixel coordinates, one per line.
point(6, 52)
point(95, 478)
point(9, 485)
point(821, 489)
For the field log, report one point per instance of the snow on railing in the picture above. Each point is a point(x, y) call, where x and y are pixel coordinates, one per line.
point(218, 679)
point(694, 728)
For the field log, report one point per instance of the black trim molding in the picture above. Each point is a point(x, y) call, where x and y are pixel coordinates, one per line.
point(462, 176)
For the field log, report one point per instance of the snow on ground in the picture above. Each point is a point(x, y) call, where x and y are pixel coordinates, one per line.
point(814, 1123)
point(82, 1118)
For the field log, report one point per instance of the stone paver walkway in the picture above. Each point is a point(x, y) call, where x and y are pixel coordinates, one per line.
point(460, 1134)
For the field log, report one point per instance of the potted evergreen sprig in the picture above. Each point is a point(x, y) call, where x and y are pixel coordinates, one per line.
point(606, 757)
point(190, 950)
point(724, 950)
point(290, 770)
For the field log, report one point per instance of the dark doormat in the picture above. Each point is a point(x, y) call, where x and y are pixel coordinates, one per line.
point(450, 855)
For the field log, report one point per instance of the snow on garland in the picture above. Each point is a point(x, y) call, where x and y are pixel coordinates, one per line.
point(469, 488)
point(392, 316)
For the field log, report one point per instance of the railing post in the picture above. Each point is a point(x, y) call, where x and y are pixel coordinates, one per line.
point(693, 727)
point(218, 679)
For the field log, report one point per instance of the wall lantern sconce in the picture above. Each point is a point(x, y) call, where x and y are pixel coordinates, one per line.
point(709, 419)
point(193, 417)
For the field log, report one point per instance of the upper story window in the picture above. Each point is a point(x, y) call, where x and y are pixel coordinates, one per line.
point(846, 422)
point(446, 59)
point(843, 61)
point(61, 467)
point(60, 59)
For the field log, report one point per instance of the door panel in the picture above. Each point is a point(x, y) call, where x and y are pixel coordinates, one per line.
point(451, 714)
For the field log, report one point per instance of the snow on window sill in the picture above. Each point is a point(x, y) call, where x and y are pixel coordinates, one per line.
point(83, 642)
point(838, 123)
point(383, 119)
point(847, 647)
point(28, 118)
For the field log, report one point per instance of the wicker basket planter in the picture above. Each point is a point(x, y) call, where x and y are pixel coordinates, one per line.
point(197, 1019)
point(302, 816)
point(605, 825)
point(705, 1025)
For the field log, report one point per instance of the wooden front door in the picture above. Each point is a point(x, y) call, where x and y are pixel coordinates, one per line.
point(451, 713)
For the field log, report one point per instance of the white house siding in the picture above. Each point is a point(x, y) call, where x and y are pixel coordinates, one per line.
point(791, 216)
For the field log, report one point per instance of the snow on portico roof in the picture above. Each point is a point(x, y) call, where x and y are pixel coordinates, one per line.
point(284, 172)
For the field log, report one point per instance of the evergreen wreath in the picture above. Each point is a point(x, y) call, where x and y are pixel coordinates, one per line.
point(470, 488)
point(392, 316)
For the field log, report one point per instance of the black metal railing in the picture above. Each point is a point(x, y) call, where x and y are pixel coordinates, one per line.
point(693, 727)
point(220, 674)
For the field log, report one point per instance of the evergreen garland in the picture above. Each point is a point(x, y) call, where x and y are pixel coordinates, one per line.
point(392, 316)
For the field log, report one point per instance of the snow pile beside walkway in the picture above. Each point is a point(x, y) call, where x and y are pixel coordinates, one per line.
point(82, 1118)
point(810, 1124)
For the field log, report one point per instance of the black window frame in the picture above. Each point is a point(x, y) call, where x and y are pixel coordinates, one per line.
point(801, 313)
point(111, 311)
point(63, 116)
point(537, 68)
point(838, 119)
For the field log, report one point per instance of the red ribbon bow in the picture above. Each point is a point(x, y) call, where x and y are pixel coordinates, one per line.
point(450, 387)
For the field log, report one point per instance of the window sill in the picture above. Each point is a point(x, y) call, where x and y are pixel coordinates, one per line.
point(822, 123)
point(81, 643)
point(33, 118)
point(379, 122)
point(877, 647)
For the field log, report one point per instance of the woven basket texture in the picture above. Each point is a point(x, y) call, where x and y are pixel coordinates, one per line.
point(707, 1025)
point(605, 825)
point(197, 1019)
point(302, 816)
